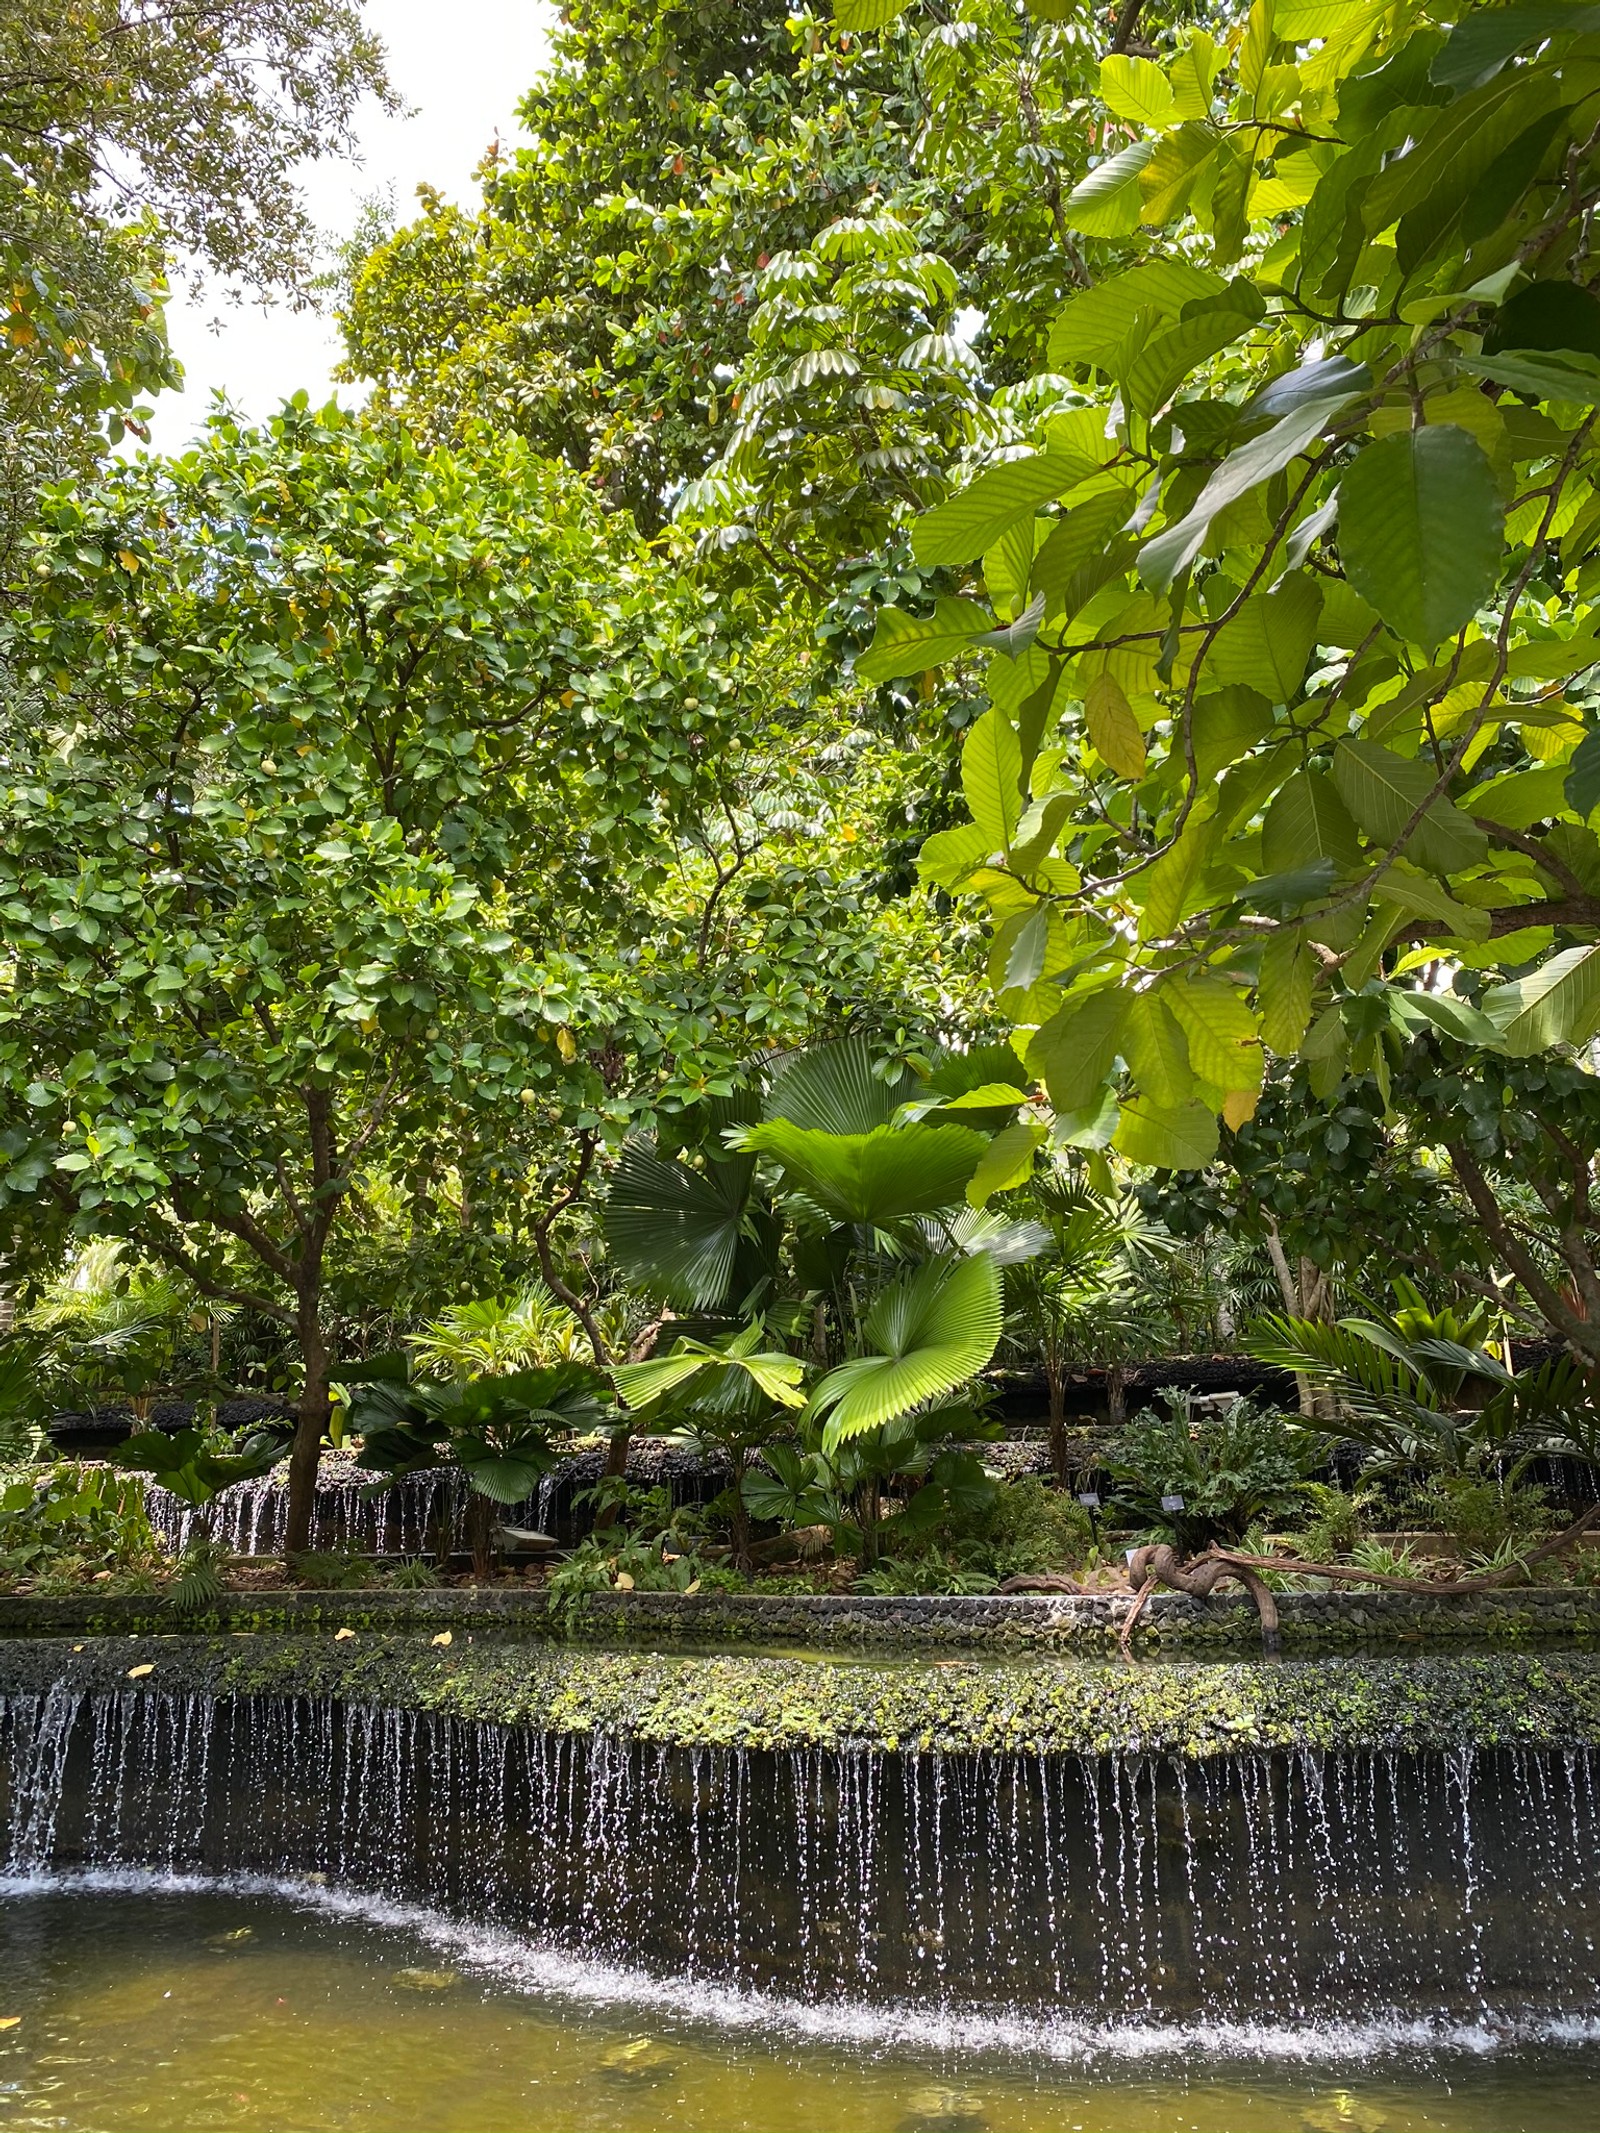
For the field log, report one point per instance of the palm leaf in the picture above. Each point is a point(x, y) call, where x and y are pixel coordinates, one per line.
point(929, 1332)
point(673, 1231)
point(878, 1177)
point(832, 1089)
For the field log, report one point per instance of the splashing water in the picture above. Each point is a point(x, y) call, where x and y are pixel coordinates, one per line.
point(1285, 1894)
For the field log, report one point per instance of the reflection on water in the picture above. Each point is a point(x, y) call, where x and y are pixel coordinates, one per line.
point(132, 2004)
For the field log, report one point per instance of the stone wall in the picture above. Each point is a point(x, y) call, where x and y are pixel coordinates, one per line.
point(1169, 1626)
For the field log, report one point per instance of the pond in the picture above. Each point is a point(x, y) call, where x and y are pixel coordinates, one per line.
point(152, 2002)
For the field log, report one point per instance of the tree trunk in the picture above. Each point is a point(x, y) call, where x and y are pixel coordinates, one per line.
point(739, 1517)
point(1116, 1394)
point(1056, 1383)
point(479, 1523)
point(309, 1427)
point(868, 1500)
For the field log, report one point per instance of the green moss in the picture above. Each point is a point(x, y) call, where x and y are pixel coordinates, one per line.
point(1043, 1707)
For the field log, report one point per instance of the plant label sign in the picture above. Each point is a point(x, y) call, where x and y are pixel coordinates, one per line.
point(1090, 1499)
point(1172, 1503)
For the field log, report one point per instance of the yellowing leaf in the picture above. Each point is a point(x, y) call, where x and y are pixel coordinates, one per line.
point(444, 1637)
point(1136, 89)
point(127, 558)
point(1238, 1106)
point(623, 1582)
point(1224, 1044)
point(566, 1044)
point(1113, 728)
point(342, 1636)
point(137, 1673)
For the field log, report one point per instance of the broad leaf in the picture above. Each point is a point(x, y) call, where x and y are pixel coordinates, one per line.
point(928, 1333)
point(1559, 1003)
point(1422, 530)
point(877, 1177)
point(1183, 1138)
point(673, 1231)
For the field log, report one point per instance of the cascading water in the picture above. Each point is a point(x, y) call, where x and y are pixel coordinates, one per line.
point(1456, 1888)
point(252, 1517)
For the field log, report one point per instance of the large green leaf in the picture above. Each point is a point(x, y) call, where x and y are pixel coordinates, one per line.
point(974, 518)
point(1422, 530)
point(1293, 433)
point(876, 1177)
point(1183, 1138)
point(1308, 821)
point(1109, 202)
point(1559, 1003)
point(929, 1332)
point(1093, 326)
point(673, 1231)
point(1383, 791)
point(908, 644)
point(833, 1089)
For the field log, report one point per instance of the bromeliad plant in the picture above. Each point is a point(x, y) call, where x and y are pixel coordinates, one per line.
point(848, 1200)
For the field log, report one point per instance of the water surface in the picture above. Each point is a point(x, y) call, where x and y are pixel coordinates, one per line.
point(148, 2002)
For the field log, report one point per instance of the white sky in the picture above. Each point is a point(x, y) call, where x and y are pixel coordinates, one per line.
point(464, 66)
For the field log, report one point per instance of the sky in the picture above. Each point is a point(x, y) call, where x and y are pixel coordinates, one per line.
point(464, 67)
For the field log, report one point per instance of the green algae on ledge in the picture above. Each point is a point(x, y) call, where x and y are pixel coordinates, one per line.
point(1042, 1706)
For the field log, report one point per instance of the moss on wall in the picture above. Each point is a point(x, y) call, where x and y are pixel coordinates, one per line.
point(1045, 1706)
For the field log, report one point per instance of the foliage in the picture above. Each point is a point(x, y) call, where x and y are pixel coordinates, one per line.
point(1021, 1528)
point(66, 1516)
point(104, 1326)
point(493, 1334)
point(128, 130)
point(1232, 1471)
point(497, 1430)
point(194, 1465)
point(1485, 1513)
point(1287, 620)
point(1418, 1386)
point(197, 1581)
point(335, 1570)
point(346, 797)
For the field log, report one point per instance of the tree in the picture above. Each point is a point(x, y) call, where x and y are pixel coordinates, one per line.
point(741, 240)
point(128, 130)
point(351, 801)
point(1286, 566)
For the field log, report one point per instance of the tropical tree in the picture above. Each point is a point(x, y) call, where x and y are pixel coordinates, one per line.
point(845, 1205)
point(128, 131)
point(1079, 1304)
point(1280, 577)
point(729, 1398)
point(497, 1431)
point(343, 787)
point(699, 185)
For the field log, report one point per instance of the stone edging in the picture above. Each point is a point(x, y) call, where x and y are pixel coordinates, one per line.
point(1170, 1625)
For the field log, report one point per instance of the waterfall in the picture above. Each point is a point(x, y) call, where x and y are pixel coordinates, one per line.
point(252, 1517)
point(1291, 1888)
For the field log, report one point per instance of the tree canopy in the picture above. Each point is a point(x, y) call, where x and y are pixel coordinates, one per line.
point(128, 131)
point(376, 811)
point(1281, 576)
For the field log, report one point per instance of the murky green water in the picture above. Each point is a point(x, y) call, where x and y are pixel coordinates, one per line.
point(184, 2009)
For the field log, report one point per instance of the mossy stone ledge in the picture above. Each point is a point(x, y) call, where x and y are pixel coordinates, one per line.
point(1040, 1706)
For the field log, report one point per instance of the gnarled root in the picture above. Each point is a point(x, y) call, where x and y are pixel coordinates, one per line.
point(1162, 1565)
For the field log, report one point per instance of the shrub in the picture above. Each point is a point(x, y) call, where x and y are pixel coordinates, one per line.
point(68, 1522)
point(1231, 1471)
